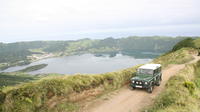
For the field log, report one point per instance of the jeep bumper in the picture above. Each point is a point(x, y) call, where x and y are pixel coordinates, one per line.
point(139, 85)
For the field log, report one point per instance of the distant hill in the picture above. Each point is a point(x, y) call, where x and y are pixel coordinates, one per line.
point(21, 53)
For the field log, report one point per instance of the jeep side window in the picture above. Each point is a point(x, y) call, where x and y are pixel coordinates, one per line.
point(145, 71)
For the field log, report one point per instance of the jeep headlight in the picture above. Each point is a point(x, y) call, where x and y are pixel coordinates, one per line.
point(146, 83)
point(133, 81)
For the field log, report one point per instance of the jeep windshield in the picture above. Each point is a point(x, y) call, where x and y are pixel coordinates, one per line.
point(145, 72)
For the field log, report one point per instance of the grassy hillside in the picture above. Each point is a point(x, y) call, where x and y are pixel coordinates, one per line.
point(36, 96)
point(11, 79)
point(186, 97)
point(188, 42)
point(180, 53)
point(21, 53)
point(180, 56)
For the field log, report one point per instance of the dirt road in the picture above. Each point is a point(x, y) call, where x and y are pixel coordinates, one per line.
point(127, 100)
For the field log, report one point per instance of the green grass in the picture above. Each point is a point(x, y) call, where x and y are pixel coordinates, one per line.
point(188, 42)
point(182, 92)
point(181, 52)
point(35, 96)
point(11, 79)
point(33, 68)
point(176, 57)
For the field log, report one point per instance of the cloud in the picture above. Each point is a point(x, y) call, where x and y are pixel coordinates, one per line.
point(42, 17)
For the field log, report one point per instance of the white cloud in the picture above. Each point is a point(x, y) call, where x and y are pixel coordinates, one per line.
point(43, 17)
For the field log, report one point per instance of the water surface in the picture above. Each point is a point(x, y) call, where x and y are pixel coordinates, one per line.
point(86, 63)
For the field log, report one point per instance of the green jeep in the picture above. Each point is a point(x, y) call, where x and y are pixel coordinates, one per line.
point(147, 77)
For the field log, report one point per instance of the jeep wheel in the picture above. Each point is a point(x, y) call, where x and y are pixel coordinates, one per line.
point(133, 88)
point(158, 83)
point(150, 89)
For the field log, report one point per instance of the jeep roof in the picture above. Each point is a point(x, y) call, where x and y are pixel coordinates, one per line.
point(150, 66)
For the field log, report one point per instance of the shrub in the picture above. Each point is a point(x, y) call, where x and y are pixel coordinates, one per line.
point(2, 97)
point(190, 86)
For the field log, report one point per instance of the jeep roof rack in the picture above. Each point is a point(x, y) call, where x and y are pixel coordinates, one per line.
point(150, 66)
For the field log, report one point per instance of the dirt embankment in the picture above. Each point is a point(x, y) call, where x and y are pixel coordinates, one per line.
point(126, 100)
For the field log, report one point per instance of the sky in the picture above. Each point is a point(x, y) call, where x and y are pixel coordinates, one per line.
point(28, 20)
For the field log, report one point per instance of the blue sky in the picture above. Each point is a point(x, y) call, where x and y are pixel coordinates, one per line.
point(27, 20)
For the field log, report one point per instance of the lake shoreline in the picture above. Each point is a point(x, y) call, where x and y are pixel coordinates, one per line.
point(83, 63)
point(35, 58)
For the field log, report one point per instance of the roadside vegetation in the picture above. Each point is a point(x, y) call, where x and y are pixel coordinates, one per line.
point(182, 92)
point(180, 53)
point(38, 96)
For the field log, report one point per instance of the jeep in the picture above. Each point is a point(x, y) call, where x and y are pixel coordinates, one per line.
point(147, 76)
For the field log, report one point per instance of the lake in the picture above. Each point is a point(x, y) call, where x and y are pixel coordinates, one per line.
point(86, 63)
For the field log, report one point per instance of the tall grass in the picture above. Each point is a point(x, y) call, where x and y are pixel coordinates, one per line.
point(182, 92)
point(175, 57)
point(34, 96)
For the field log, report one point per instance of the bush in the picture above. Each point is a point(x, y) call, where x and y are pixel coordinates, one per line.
point(2, 97)
point(190, 86)
point(167, 98)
